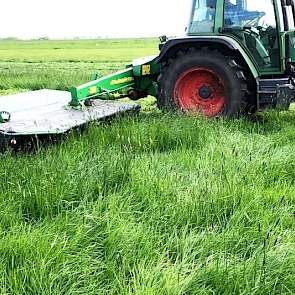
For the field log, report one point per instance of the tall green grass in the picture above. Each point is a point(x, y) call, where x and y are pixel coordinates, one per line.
point(34, 65)
point(52, 75)
point(154, 204)
point(77, 51)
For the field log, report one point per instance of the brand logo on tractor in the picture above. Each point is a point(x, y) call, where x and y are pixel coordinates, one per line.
point(122, 81)
point(146, 70)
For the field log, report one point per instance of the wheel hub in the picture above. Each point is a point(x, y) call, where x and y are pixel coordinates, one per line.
point(205, 92)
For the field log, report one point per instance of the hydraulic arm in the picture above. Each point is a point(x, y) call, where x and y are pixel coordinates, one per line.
point(136, 81)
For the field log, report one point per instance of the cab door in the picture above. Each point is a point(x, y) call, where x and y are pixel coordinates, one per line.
point(254, 24)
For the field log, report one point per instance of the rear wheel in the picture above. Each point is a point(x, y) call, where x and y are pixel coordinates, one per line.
point(203, 81)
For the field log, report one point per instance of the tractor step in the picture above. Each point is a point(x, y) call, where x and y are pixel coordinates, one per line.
point(47, 112)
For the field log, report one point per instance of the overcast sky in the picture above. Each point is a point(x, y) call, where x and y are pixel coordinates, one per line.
point(92, 18)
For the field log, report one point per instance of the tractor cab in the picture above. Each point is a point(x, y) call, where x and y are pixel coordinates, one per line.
point(259, 26)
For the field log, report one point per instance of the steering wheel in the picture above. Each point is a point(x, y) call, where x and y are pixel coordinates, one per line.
point(252, 30)
point(263, 29)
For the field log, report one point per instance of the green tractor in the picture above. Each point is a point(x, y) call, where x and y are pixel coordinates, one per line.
point(238, 57)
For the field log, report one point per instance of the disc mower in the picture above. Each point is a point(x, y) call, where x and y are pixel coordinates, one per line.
point(237, 57)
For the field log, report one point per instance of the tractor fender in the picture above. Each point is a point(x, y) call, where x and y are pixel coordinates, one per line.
point(224, 41)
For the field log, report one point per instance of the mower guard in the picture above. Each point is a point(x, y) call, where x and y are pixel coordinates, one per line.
point(47, 112)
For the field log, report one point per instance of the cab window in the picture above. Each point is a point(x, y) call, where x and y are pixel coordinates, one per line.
point(203, 17)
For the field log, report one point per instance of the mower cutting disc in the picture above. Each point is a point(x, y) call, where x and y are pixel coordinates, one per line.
point(47, 112)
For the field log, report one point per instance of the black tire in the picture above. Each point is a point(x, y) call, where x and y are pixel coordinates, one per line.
point(224, 67)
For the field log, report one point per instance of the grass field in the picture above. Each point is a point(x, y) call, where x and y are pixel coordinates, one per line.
point(157, 204)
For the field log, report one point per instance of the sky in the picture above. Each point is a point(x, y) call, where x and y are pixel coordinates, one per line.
point(58, 19)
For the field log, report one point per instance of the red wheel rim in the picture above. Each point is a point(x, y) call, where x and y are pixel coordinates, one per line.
point(200, 90)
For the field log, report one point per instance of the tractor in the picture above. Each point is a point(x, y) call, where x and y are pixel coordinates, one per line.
point(238, 57)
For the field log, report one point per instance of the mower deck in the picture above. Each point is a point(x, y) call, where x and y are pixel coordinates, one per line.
point(47, 112)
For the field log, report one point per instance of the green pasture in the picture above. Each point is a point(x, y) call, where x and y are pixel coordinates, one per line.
point(154, 204)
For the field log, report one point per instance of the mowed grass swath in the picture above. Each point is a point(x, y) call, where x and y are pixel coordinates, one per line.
point(154, 204)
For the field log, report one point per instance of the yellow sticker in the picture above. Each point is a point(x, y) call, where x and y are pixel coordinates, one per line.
point(122, 81)
point(146, 70)
point(92, 90)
